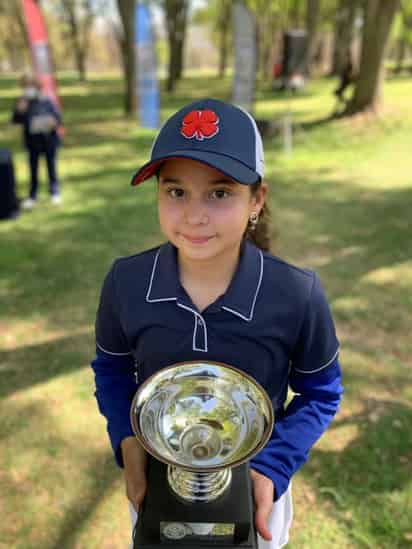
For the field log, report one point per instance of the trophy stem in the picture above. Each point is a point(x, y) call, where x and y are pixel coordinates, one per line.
point(198, 487)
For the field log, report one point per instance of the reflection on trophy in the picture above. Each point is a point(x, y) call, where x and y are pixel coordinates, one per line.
point(200, 422)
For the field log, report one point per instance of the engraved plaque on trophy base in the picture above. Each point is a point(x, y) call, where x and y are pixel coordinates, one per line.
point(165, 520)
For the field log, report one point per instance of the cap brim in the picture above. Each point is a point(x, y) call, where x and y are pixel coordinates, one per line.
point(230, 167)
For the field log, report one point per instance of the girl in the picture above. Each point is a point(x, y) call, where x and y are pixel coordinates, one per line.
point(214, 292)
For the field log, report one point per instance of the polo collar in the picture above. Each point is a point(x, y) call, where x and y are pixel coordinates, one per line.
point(239, 299)
point(164, 282)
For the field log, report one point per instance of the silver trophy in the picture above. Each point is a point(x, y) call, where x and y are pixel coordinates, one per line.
point(201, 422)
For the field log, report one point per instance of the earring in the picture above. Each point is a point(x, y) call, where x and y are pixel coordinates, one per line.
point(253, 220)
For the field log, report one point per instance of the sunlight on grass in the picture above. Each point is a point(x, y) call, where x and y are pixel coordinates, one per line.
point(399, 275)
point(350, 304)
point(20, 333)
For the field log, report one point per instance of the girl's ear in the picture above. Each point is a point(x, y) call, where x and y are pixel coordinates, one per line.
point(259, 197)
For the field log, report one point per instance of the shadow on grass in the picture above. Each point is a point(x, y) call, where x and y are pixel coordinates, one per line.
point(82, 134)
point(355, 482)
point(356, 230)
point(102, 474)
point(25, 367)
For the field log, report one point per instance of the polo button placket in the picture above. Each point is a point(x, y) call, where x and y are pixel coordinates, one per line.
point(200, 337)
point(199, 342)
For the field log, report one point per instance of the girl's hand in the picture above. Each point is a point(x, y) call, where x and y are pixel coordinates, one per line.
point(263, 494)
point(134, 460)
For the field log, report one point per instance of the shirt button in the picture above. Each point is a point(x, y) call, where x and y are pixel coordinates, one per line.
point(199, 321)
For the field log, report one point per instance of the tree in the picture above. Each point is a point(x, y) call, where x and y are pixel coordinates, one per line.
point(271, 19)
point(295, 13)
point(403, 33)
point(126, 39)
point(79, 16)
point(379, 15)
point(176, 14)
point(312, 23)
point(217, 14)
point(14, 43)
point(344, 32)
point(223, 27)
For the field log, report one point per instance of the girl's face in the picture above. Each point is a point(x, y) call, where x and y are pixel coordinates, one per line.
point(203, 212)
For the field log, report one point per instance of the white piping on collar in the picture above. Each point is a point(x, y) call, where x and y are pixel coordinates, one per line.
point(252, 310)
point(321, 368)
point(151, 283)
point(109, 352)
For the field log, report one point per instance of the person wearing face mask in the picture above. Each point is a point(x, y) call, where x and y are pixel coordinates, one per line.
point(40, 119)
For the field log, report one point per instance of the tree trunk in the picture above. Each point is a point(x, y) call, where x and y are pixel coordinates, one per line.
point(22, 26)
point(15, 41)
point(81, 64)
point(402, 42)
point(73, 22)
point(294, 16)
point(378, 19)
point(127, 42)
point(180, 53)
point(223, 53)
point(344, 33)
point(173, 64)
point(176, 19)
point(224, 25)
point(400, 55)
point(267, 27)
point(312, 20)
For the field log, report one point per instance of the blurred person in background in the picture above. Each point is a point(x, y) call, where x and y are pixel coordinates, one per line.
point(41, 121)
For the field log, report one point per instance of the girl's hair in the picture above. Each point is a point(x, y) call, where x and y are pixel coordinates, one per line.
point(261, 233)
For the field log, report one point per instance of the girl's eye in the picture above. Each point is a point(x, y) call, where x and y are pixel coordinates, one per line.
point(219, 194)
point(176, 193)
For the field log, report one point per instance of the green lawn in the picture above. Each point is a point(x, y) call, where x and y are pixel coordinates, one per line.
point(341, 203)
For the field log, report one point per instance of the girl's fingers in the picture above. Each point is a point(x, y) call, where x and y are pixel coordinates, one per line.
point(263, 492)
point(136, 499)
point(261, 523)
point(136, 490)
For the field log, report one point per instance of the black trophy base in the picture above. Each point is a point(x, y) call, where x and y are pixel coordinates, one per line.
point(165, 520)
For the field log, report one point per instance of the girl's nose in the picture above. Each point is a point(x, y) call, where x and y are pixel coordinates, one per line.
point(196, 212)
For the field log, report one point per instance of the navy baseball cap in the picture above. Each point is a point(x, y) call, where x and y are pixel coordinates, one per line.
point(219, 134)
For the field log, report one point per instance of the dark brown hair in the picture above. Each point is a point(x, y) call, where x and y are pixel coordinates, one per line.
point(261, 233)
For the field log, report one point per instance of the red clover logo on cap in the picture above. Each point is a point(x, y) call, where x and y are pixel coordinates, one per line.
point(200, 124)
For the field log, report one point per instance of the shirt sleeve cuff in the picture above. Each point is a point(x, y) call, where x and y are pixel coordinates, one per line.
point(280, 482)
point(116, 440)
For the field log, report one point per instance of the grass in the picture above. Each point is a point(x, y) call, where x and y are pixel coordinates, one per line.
point(341, 204)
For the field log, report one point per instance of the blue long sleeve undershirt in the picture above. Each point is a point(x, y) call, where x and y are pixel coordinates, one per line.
point(115, 379)
point(307, 416)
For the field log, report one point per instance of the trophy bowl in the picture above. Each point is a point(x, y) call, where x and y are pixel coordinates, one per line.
point(201, 419)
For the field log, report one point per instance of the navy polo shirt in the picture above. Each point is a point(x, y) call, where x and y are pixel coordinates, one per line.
point(273, 322)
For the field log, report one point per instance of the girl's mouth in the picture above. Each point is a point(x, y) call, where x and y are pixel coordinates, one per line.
point(196, 239)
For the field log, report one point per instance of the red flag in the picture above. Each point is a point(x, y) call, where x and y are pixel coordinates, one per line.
point(37, 33)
